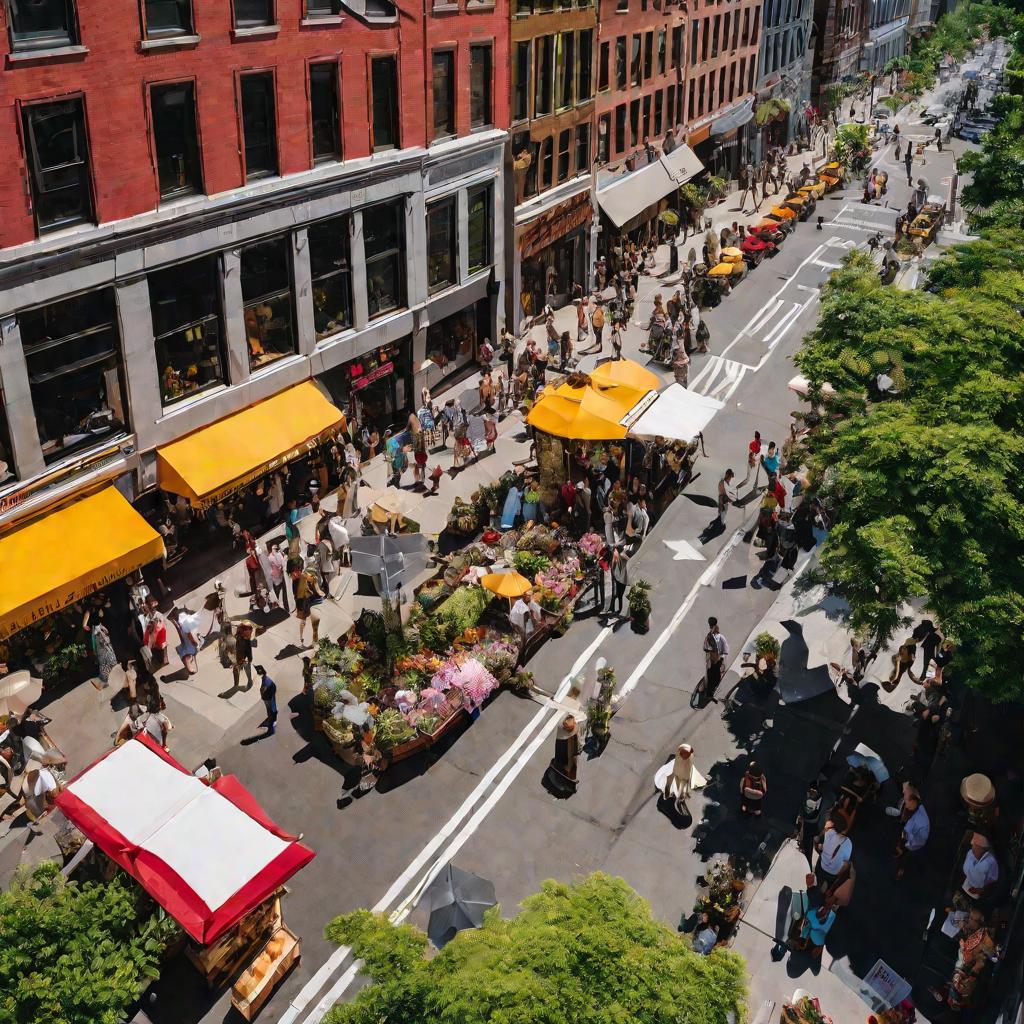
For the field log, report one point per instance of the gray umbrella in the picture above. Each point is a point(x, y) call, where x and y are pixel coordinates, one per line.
point(458, 900)
point(390, 560)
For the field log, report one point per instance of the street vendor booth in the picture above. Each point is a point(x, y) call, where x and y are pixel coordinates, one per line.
point(57, 559)
point(208, 854)
point(219, 459)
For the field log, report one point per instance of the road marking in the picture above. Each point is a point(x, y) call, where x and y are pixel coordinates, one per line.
point(683, 551)
point(781, 327)
point(707, 382)
point(764, 316)
point(827, 265)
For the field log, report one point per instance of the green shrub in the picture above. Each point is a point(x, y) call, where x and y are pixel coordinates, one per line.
point(464, 608)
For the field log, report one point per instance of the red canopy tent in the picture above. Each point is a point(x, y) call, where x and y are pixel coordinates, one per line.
point(207, 854)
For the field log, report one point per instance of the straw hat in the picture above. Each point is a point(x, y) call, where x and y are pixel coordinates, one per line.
point(32, 765)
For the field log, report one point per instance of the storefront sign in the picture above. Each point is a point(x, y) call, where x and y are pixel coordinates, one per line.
point(365, 381)
point(449, 170)
point(555, 224)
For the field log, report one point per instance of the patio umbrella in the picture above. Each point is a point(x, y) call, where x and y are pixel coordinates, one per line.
point(23, 688)
point(669, 217)
point(458, 900)
point(392, 561)
point(506, 584)
point(626, 373)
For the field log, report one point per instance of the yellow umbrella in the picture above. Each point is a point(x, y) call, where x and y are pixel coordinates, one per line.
point(506, 584)
point(627, 373)
point(732, 254)
point(721, 270)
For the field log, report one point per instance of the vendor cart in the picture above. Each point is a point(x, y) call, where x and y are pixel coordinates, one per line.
point(926, 224)
point(204, 851)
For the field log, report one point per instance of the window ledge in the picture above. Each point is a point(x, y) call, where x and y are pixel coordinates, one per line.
point(322, 21)
point(445, 9)
point(53, 53)
point(255, 32)
point(169, 43)
point(479, 5)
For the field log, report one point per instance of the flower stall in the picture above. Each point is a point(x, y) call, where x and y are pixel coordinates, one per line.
point(387, 694)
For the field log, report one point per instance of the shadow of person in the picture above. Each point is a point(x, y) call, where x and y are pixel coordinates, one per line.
point(679, 815)
point(714, 529)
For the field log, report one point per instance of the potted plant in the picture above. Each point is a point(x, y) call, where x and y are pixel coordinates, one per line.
point(601, 708)
point(766, 646)
point(638, 598)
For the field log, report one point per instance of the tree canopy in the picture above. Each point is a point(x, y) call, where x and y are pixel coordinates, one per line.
point(73, 954)
point(586, 953)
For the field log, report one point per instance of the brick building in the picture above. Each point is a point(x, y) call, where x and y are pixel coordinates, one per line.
point(838, 25)
point(204, 204)
point(551, 123)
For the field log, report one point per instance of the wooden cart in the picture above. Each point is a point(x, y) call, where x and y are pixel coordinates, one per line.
point(274, 960)
point(223, 959)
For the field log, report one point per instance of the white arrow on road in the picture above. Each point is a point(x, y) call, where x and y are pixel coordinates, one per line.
point(684, 551)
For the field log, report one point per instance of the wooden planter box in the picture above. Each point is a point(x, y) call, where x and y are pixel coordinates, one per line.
point(250, 993)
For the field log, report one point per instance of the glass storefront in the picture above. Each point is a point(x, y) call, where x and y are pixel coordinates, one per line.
point(549, 275)
point(375, 390)
point(452, 343)
point(267, 294)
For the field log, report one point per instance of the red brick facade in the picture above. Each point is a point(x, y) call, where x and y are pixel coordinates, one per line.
point(115, 75)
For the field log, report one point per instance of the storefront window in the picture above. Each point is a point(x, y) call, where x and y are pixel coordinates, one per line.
point(6, 458)
point(267, 295)
point(72, 350)
point(185, 303)
point(375, 388)
point(384, 254)
point(441, 249)
point(479, 243)
point(452, 342)
point(331, 266)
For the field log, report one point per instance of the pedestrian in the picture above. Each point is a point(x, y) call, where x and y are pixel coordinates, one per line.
point(567, 749)
point(981, 873)
point(680, 361)
point(725, 497)
point(268, 694)
point(771, 461)
point(716, 650)
point(914, 833)
point(898, 148)
point(239, 649)
point(582, 334)
point(399, 464)
point(753, 789)
point(683, 777)
point(597, 323)
point(101, 644)
point(834, 848)
point(754, 457)
point(507, 347)
point(902, 661)
point(926, 634)
point(525, 614)
point(278, 567)
point(815, 927)
point(155, 723)
point(154, 637)
point(307, 600)
point(620, 580)
point(976, 950)
point(39, 792)
point(938, 139)
point(188, 627)
point(807, 820)
point(908, 160)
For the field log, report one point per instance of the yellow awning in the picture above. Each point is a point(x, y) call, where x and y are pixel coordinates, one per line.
point(625, 372)
point(591, 411)
point(67, 554)
point(214, 461)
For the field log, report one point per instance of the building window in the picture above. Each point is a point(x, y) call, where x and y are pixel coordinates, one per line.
point(661, 51)
point(648, 55)
point(524, 152)
point(331, 270)
point(58, 163)
point(253, 13)
point(634, 61)
point(322, 8)
point(634, 122)
point(524, 7)
point(168, 18)
point(745, 36)
point(620, 127)
point(259, 125)
point(185, 303)
point(384, 256)
point(565, 65)
point(647, 117)
point(547, 162)
point(602, 67)
point(545, 46)
point(670, 103)
point(175, 139)
point(72, 352)
point(563, 154)
point(658, 100)
point(442, 82)
point(582, 148)
point(604, 129)
point(480, 75)
point(442, 252)
point(620, 62)
point(521, 82)
point(41, 24)
point(267, 298)
point(677, 46)
point(478, 235)
point(384, 82)
point(585, 78)
point(621, 6)
point(325, 112)
point(694, 34)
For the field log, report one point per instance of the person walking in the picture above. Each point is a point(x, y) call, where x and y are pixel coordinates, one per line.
point(268, 694)
point(597, 323)
point(620, 580)
point(399, 464)
point(754, 457)
point(307, 600)
point(716, 650)
point(278, 568)
point(683, 777)
point(834, 848)
point(908, 160)
point(913, 835)
point(753, 789)
point(239, 647)
point(725, 498)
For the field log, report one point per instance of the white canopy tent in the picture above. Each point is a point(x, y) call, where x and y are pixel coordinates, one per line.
point(676, 413)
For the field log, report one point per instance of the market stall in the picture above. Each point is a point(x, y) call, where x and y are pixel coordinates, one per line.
point(208, 854)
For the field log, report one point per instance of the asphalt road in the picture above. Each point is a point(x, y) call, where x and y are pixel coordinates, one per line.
point(482, 803)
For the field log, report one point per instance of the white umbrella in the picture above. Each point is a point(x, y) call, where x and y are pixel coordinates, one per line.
point(22, 686)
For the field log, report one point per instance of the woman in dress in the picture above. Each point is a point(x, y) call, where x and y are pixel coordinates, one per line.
point(683, 778)
point(753, 787)
point(102, 648)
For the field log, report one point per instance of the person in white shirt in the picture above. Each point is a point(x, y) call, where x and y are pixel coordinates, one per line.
point(916, 829)
point(525, 614)
point(981, 869)
point(835, 850)
point(39, 791)
point(339, 538)
point(278, 580)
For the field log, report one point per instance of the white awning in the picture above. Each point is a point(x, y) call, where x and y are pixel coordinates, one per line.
point(678, 414)
point(732, 119)
point(631, 194)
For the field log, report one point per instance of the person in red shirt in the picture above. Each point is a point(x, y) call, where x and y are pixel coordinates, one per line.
point(753, 457)
point(155, 636)
point(779, 491)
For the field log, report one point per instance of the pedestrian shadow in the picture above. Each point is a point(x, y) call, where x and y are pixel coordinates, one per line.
point(248, 741)
point(714, 529)
point(179, 676)
point(289, 651)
